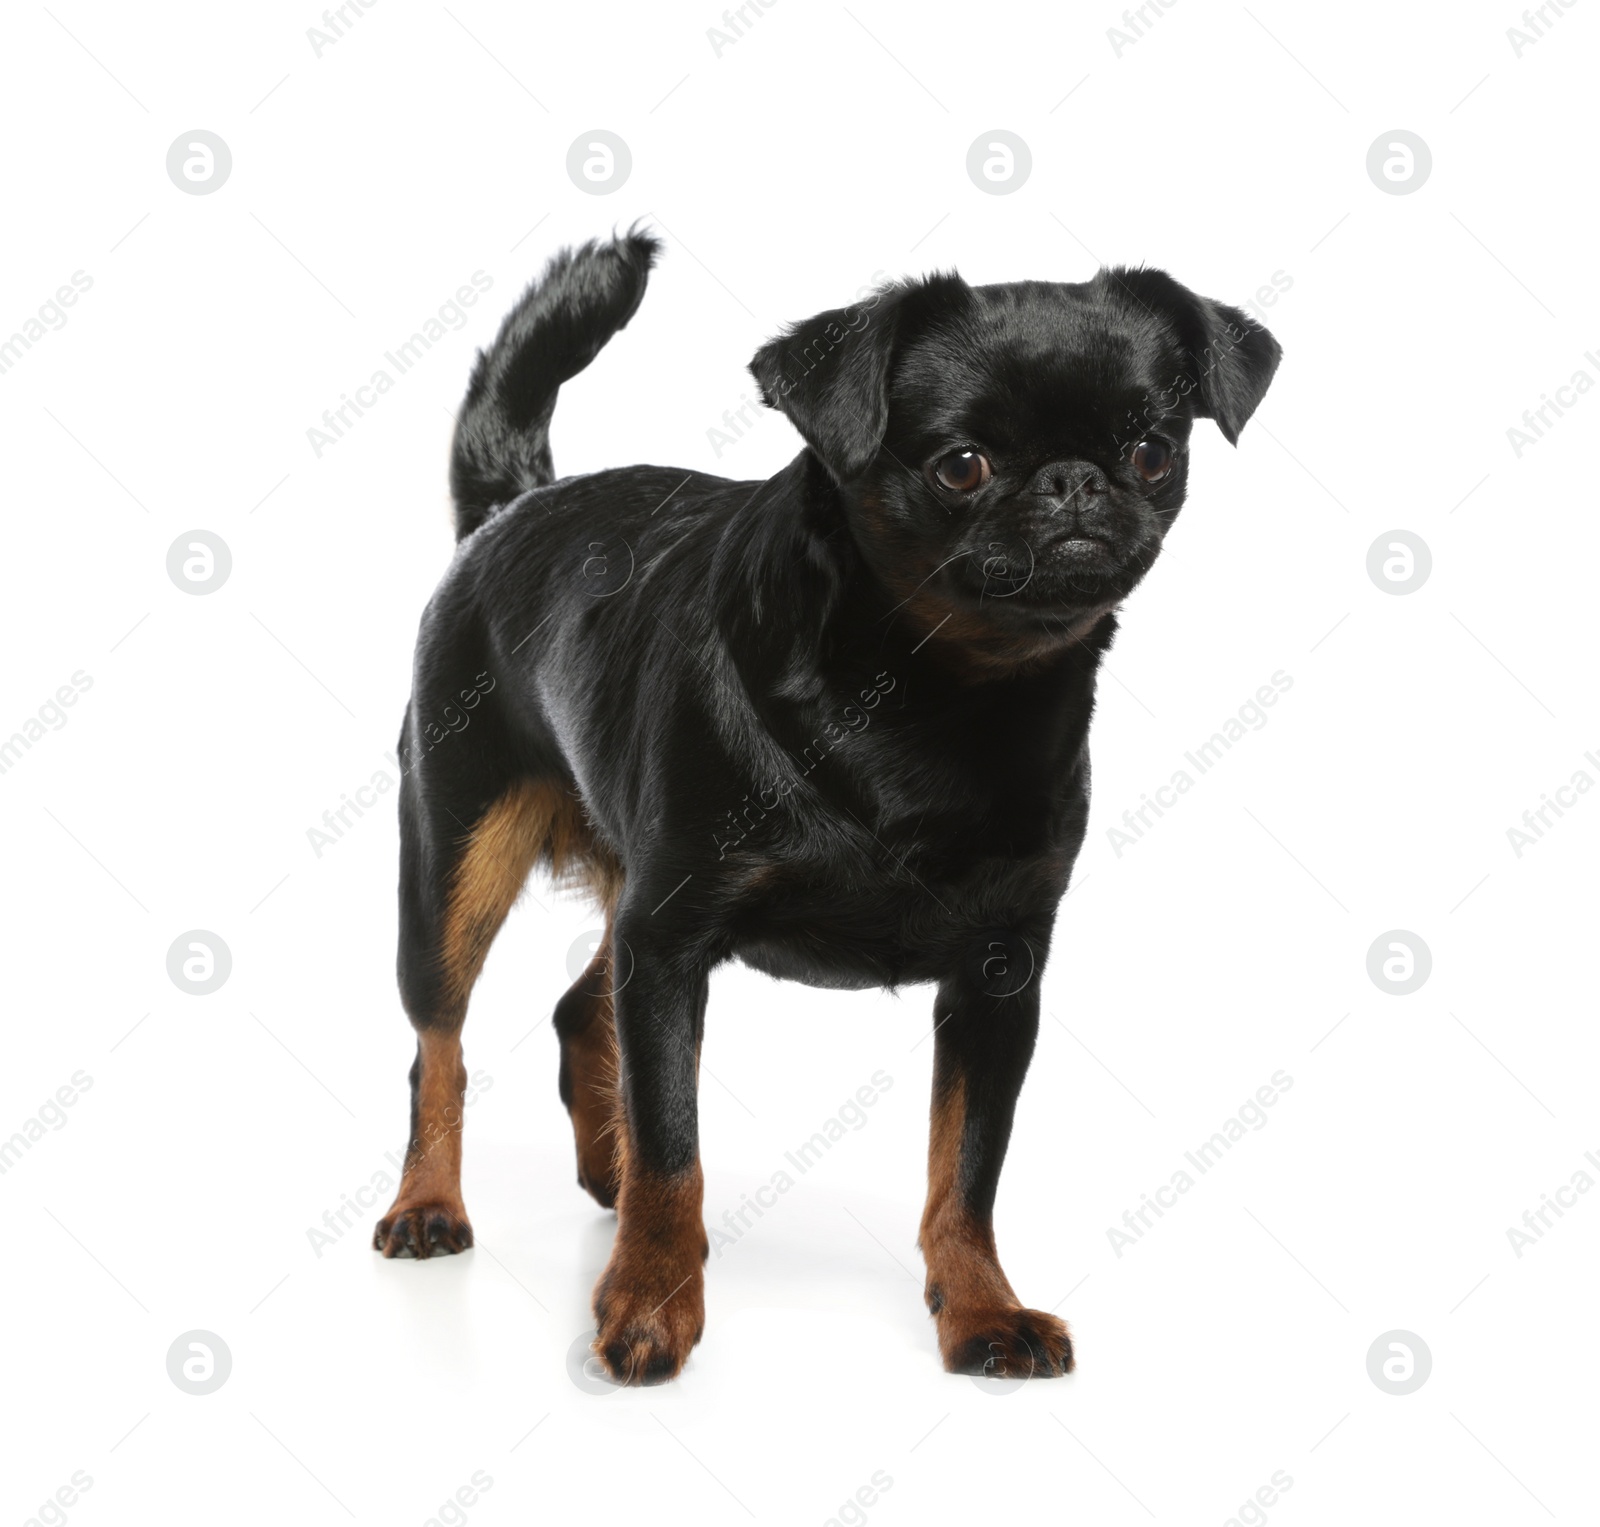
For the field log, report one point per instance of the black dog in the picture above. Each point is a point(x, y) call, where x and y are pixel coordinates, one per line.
point(833, 724)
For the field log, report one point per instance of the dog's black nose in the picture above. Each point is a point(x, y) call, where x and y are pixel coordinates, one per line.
point(1068, 483)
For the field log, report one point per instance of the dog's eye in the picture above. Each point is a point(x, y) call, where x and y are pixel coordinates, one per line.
point(1152, 459)
point(962, 471)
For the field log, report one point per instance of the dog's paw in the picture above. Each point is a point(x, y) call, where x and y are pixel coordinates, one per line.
point(645, 1327)
point(1013, 1343)
point(423, 1230)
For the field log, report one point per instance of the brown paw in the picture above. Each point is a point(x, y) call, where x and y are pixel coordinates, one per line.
point(421, 1230)
point(1002, 1343)
point(646, 1327)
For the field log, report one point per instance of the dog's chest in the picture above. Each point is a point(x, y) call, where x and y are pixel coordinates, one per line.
point(906, 840)
point(893, 909)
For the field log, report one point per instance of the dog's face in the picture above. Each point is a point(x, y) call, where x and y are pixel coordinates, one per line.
point(1011, 457)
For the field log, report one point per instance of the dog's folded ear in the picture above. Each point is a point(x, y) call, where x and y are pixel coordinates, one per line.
point(1229, 358)
point(829, 375)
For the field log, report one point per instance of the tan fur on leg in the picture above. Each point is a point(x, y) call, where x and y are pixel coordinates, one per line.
point(428, 1214)
point(983, 1327)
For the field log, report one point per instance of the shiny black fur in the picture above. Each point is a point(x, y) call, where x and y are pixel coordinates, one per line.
point(744, 682)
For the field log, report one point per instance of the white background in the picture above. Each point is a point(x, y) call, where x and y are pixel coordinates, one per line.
point(823, 146)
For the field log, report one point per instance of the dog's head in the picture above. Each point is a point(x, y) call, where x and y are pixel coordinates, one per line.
point(1011, 457)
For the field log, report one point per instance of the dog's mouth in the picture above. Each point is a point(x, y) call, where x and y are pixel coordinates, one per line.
point(1081, 545)
point(1082, 549)
point(1073, 571)
point(1016, 579)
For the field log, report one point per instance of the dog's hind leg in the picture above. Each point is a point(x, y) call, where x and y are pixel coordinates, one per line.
point(467, 843)
point(585, 1023)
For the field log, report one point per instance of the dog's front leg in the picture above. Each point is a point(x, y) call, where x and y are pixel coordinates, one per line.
point(649, 1304)
point(987, 1018)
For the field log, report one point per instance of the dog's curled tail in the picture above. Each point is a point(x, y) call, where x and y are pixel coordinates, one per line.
point(502, 441)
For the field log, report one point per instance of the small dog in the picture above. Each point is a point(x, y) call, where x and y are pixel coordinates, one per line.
point(834, 724)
